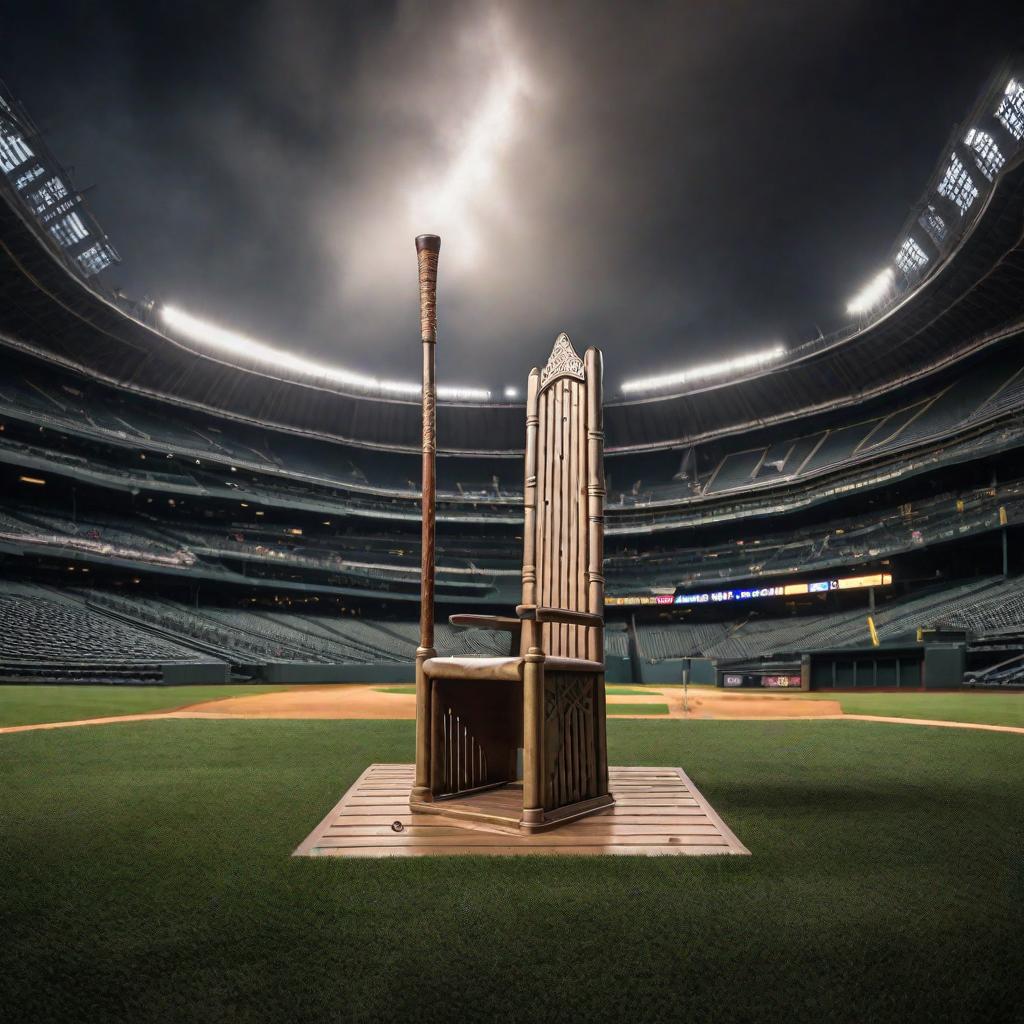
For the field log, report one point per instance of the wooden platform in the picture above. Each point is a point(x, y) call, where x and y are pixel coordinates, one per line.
point(657, 811)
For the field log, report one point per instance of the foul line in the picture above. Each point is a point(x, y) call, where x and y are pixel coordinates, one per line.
point(213, 716)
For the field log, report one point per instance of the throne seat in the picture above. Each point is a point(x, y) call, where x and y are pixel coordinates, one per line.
point(508, 669)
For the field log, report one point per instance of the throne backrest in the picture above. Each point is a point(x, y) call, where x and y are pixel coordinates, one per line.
point(563, 529)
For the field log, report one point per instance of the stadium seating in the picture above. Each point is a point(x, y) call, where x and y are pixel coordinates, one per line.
point(48, 636)
point(989, 390)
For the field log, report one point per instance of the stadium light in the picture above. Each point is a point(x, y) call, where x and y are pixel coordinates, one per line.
point(872, 294)
point(725, 368)
point(234, 343)
point(511, 392)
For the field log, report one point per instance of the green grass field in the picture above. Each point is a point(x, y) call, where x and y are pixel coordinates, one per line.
point(960, 706)
point(147, 877)
point(637, 709)
point(27, 705)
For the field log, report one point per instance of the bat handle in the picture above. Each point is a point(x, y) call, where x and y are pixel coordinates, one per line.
point(427, 249)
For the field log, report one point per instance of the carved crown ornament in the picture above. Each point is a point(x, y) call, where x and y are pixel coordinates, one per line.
point(563, 362)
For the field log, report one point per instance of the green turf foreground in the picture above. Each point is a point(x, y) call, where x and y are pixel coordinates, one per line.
point(28, 705)
point(145, 876)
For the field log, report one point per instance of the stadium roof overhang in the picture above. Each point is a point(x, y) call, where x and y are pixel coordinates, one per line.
point(973, 300)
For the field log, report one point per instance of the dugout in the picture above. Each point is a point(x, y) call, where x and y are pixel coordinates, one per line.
point(932, 666)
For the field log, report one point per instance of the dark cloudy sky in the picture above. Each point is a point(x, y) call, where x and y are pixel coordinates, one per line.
point(670, 181)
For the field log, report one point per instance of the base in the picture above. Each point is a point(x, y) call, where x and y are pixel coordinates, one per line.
point(656, 811)
point(501, 806)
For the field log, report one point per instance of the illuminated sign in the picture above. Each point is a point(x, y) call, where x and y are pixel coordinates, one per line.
point(852, 582)
point(640, 599)
point(882, 579)
point(781, 682)
point(786, 682)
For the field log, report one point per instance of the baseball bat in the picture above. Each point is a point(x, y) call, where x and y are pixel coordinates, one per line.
point(427, 249)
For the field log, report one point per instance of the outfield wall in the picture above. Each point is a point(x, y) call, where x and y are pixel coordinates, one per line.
point(618, 671)
point(670, 670)
point(302, 672)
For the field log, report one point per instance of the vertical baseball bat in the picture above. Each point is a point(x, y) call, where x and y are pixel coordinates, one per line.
point(427, 249)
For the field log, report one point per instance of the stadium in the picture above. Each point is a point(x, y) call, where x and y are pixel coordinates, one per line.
point(189, 522)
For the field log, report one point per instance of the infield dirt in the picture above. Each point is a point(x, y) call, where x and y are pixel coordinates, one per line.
point(353, 700)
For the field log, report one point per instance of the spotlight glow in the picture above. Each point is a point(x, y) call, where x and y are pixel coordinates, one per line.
point(872, 294)
point(725, 368)
point(251, 350)
point(451, 197)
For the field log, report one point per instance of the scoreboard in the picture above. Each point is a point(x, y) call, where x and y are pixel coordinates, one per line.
point(881, 579)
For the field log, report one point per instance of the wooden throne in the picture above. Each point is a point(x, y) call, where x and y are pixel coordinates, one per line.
point(475, 715)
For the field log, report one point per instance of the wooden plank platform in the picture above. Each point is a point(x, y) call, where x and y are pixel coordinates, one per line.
point(657, 811)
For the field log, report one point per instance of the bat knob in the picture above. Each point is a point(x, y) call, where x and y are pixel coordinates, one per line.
point(429, 243)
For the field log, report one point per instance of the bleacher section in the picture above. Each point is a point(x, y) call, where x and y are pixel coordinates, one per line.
point(247, 637)
point(94, 635)
point(356, 561)
point(470, 562)
point(46, 636)
point(117, 637)
point(285, 469)
point(841, 541)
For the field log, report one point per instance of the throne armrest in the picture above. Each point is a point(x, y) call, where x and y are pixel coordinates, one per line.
point(543, 613)
point(500, 623)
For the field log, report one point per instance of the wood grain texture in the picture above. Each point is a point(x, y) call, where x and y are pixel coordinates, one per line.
point(657, 812)
point(571, 616)
point(500, 623)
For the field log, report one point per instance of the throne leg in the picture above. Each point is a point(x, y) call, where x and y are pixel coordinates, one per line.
point(533, 741)
point(421, 791)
